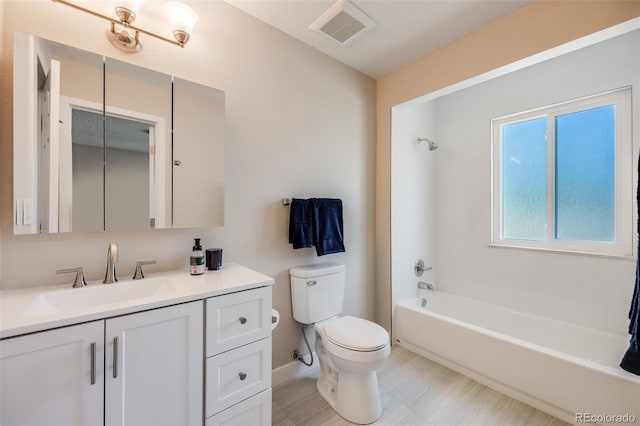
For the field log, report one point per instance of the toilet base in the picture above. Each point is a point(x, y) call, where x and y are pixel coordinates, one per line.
point(348, 381)
point(361, 401)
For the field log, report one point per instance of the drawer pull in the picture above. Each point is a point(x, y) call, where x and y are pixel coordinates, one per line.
point(93, 363)
point(115, 357)
point(242, 375)
point(243, 320)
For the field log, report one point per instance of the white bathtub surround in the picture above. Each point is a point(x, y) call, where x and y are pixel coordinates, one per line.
point(452, 188)
point(558, 367)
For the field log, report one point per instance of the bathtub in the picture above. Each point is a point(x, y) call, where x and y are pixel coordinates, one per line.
point(566, 370)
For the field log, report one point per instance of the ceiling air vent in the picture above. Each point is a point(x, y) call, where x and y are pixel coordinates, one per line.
point(342, 22)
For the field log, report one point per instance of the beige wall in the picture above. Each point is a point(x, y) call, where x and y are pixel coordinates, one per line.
point(539, 27)
point(298, 124)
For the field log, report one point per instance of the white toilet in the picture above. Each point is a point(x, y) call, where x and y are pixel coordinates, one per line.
point(350, 349)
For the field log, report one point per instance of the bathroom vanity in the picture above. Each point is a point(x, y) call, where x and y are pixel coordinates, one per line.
point(165, 350)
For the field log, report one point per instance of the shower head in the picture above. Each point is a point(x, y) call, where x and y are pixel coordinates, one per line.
point(432, 145)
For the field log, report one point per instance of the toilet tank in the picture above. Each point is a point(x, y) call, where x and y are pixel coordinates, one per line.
point(317, 291)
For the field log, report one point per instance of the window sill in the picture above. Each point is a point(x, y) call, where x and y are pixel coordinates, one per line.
point(562, 251)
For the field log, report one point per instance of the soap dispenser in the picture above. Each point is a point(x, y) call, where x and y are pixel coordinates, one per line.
point(197, 259)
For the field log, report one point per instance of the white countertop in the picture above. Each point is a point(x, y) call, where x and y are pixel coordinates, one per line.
point(29, 310)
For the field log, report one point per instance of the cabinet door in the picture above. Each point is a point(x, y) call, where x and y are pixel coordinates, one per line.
point(53, 377)
point(154, 363)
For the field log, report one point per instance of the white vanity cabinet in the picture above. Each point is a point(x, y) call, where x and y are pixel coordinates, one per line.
point(146, 367)
point(171, 349)
point(153, 373)
point(238, 358)
point(54, 377)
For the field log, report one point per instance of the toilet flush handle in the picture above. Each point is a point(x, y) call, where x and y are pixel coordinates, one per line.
point(312, 282)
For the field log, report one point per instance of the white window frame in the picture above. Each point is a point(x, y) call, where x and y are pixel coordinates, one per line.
point(623, 163)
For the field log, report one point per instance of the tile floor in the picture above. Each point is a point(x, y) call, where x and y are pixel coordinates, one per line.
point(414, 391)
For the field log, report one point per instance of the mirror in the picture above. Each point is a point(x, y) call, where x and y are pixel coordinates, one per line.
point(88, 159)
point(196, 160)
point(45, 73)
point(138, 136)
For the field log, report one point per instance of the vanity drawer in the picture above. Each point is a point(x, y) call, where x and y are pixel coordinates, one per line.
point(237, 319)
point(237, 375)
point(255, 411)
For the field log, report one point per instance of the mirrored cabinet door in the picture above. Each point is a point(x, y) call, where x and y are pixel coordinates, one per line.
point(198, 155)
point(137, 147)
point(80, 197)
point(51, 81)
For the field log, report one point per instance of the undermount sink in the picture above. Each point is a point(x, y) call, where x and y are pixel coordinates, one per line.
point(95, 295)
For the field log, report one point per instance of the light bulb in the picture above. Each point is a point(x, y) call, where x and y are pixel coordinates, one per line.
point(181, 17)
point(132, 5)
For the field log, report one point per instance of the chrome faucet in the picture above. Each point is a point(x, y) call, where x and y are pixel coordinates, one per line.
point(425, 286)
point(112, 259)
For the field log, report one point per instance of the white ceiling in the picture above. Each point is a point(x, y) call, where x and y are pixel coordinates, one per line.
point(405, 29)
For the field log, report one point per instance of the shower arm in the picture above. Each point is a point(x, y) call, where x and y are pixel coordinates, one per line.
point(432, 145)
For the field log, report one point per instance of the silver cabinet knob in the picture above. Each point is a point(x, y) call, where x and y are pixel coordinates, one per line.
point(242, 375)
point(243, 320)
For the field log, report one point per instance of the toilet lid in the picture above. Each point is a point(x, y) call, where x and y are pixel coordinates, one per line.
point(356, 334)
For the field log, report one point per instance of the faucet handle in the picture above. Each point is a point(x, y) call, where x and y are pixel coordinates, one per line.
point(79, 281)
point(420, 268)
point(138, 275)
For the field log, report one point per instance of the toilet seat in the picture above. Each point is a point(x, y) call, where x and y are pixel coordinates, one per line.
point(356, 334)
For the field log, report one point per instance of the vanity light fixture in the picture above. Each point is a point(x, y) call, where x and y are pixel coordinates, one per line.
point(126, 37)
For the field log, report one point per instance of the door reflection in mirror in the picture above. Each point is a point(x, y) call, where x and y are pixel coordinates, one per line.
point(141, 95)
point(130, 176)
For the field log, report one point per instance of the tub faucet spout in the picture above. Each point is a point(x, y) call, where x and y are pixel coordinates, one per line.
point(112, 259)
point(425, 286)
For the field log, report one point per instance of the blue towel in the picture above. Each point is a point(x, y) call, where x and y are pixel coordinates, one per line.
point(317, 222)
point(301, 219)
point(631, 359)
point(328, 227)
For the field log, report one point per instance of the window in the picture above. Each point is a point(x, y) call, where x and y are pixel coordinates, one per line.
point(562, 176)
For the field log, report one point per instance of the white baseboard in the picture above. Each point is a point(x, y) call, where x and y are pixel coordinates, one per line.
point(292, 370)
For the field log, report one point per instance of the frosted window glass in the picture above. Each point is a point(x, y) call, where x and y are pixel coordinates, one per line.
point(585, 181)
point(524, 180)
